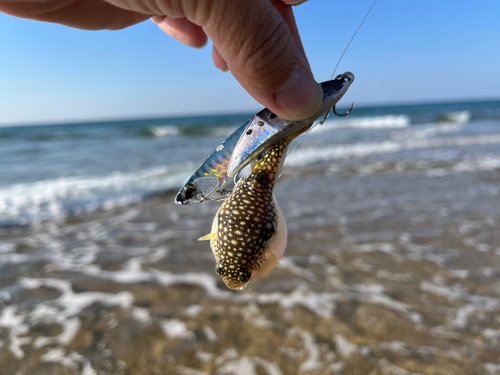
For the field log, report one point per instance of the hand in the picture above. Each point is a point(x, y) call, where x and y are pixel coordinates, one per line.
point(256, 40)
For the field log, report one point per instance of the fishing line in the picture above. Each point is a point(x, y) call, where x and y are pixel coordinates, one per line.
point(348, 44)
point(333, 74)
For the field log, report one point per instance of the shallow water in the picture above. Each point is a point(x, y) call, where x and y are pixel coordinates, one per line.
point(392, 266)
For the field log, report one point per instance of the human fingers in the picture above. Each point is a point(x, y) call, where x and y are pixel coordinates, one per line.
point(183, 30)
point(81, 14)
point(289, 19)
point(254, 40)
point(219, 61)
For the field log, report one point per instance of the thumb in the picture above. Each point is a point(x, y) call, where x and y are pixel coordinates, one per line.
point(254, 40)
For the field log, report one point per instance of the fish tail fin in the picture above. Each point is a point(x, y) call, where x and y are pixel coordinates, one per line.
point(208, 237)
point(273, 257)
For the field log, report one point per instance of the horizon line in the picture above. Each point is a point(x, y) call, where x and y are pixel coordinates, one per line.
point(104, 119)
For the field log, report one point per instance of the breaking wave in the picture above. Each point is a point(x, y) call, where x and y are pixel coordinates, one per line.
point(309, 155)
point(165, 131)
point(458, 117)
point(30, 203)
point(372, 122)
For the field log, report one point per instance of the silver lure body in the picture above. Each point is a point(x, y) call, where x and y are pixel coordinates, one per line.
point(250, 140)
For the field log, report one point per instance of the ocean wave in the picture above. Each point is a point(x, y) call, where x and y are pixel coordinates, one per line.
point(308, 156)
point(457, 117)
point(434, 168)
point(484, 163)
point(163, 131)
point(30, 203)
point(372, 122)
point(425, 131)
point(172, 130)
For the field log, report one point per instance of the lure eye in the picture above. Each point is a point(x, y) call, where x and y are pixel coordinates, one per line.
point(189, 192)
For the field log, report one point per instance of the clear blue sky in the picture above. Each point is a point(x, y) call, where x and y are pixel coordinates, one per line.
point(407, 51)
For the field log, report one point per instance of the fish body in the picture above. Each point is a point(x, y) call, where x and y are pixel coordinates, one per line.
point(253, 138)
point(249, 232)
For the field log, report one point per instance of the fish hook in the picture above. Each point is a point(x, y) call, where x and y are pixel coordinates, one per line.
point(345, 114)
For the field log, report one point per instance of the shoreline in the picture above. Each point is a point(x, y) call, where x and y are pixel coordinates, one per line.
point(377, 278)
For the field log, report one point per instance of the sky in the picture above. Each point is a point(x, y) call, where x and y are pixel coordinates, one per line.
point(408, 51)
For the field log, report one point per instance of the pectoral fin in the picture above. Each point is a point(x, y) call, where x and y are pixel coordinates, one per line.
point(208, 237)
point(270, 255)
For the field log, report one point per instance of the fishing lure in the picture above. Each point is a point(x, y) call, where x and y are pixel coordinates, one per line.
point(250, 140)
point(249, 233)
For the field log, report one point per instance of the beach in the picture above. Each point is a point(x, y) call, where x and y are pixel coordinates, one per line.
point(392, 264)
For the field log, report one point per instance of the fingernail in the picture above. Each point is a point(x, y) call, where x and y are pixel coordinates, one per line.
point(301, 96)
point(295, 2)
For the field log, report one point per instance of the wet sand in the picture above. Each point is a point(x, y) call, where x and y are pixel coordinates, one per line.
point(385, 274)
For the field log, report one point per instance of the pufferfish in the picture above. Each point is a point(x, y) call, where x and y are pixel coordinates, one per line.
point(249, 233)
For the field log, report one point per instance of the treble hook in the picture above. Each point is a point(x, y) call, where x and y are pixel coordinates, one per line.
point(345, 114)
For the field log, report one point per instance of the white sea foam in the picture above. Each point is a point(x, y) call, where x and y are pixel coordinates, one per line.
point(373, 122)
point(172, 130)
point(193, 310)
point(387, 367)
point(322, 304)
point(308, 156)
point(313, 361)
point(57, 355)
point(63, 310)
point(482, 163)
point(142, 315)
point(476, 303)
point(72, 360)
point(374, 294)
point(344, 347)
point(164, 131)
point(210, 334)
point(459, 117)
point(175, 328)
point(15, 323)
point(425, 131)
point(248, 366)
point(32, 202)
point(6, 247)
point(492, 368)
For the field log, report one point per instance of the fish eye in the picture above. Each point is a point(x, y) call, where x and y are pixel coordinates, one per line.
point(189, 192)
point(220, 270)
point(245, 278)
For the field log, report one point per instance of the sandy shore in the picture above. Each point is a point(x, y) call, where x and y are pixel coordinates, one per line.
point(384, 274)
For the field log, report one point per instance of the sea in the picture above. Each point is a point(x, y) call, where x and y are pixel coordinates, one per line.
point(51, 172)
point(392, 266)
